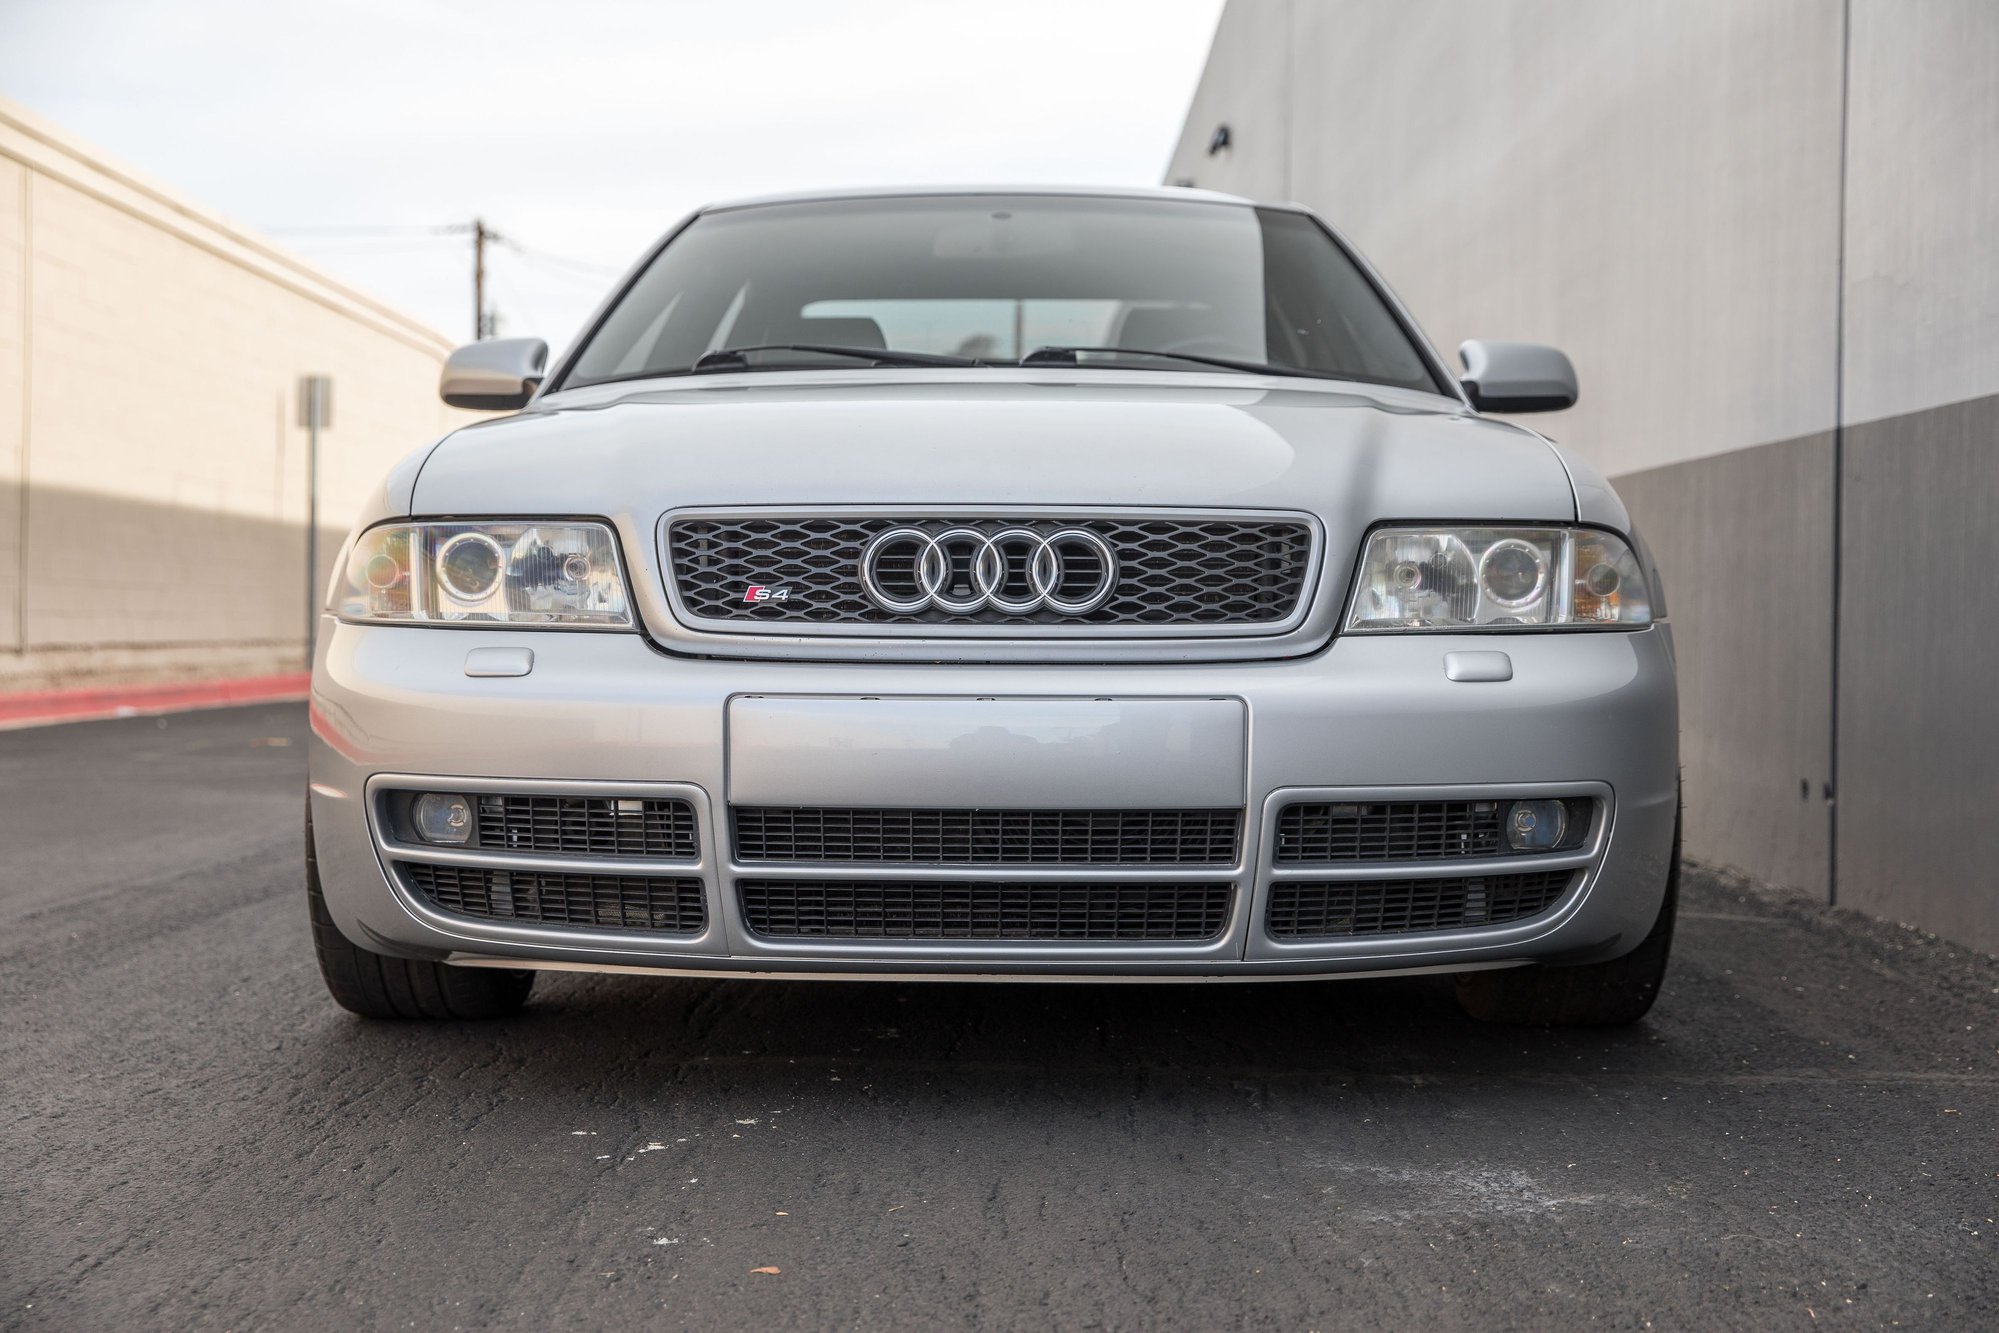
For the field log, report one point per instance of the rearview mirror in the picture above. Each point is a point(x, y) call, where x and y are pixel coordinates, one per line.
point(1517, 377)
point(497, 375)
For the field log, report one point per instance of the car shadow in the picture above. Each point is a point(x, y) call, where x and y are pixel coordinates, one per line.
point(939, 1042)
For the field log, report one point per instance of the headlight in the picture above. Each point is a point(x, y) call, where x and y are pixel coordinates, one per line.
point(1498, 578)
point(512, 573)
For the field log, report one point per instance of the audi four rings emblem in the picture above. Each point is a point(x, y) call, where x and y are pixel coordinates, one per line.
point(1071, 571)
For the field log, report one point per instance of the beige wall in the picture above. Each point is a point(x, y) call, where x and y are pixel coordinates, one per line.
point(152, 477)
point(13, 399)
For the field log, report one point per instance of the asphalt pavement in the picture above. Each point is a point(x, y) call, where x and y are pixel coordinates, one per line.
point(193, 1136)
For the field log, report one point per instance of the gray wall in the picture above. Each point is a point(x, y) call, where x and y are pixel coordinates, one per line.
point(1744, 538)
point(1765, 234)
point(1918, 619)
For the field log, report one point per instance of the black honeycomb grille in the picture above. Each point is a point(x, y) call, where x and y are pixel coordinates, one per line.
point(896, 910)
point(1170, 571)
point(673, 905)
point(588, 826)
point(1332, 909)
point(987, 837)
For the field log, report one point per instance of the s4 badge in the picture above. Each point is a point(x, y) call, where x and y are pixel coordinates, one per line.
point(759, 592)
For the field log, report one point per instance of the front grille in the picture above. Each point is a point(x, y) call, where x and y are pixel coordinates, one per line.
point(1301, 908)
point(896, 910)
point(1170, 571)
point(595, 902)
point(1319, 832)
point(588, 826)
point(987, 837)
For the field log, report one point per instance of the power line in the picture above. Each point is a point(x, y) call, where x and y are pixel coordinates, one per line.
point(379, 239)
point(560, 261)
point(514, 295)
point(446, 230)
point(593, 278)
point(367, 245)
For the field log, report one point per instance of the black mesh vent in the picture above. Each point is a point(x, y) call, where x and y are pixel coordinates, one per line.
point(987, 837)
point(587, 825)
point(1399, 906)
point(878, 910)
point(1321, 832)
point(595, 902)
point(1170, 571)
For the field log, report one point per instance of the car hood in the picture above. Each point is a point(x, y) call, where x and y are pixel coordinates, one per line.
point(1000, 439)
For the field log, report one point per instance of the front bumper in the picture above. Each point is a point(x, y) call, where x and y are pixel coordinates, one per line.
point(1590, 714)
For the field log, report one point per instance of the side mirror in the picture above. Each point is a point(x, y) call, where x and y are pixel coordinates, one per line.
point(497, 375)
point(1517, 377)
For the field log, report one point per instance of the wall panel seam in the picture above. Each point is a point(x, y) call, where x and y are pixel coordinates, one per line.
point(1838, 456)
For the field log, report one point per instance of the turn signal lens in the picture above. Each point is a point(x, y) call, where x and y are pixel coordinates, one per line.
point(522, 573)
point(1497, 579)
point(1608, 587)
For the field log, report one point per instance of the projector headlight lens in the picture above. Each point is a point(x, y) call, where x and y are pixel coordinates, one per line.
point(1511, 572)
point(1497, 579)
point(469, 566)
point(525, 573)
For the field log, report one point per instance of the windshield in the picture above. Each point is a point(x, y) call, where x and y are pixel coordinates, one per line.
point(992, 279)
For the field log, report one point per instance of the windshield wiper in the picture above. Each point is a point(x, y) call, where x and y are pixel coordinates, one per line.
point(1067, 356)
point(736, 358)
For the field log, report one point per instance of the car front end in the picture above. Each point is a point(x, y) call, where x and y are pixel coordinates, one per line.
point(1028, 668)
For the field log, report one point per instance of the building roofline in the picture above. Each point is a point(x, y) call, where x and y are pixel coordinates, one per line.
point(42, 147)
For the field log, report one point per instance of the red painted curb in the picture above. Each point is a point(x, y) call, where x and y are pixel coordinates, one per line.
point(35, 707)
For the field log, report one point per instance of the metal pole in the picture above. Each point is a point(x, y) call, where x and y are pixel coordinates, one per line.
point(311, 530)
point(315, 412)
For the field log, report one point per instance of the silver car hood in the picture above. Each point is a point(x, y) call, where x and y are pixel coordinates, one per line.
point(1004, 438)
point(1000, 440)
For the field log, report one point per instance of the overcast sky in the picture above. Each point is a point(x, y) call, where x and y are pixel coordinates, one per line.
point(582, 129)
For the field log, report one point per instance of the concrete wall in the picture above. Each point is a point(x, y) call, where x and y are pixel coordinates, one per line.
point(1918, 617)
point(1763, 232)
point(152, 474)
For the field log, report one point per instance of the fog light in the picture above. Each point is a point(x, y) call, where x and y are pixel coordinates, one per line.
point(1536, 826)
point(441, 818)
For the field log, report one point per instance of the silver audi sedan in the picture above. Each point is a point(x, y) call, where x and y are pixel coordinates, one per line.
point(997, 584)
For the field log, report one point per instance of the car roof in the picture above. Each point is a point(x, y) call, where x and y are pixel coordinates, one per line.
point(932, 191)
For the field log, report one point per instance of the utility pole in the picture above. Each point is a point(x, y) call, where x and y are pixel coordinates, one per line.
point(484, 323)
point(480, 236)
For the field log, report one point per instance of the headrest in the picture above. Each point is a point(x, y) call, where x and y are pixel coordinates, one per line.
point(840, 332)
point(1155, 328)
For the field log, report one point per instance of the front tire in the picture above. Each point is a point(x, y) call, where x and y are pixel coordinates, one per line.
point(375, 985)
point(1594, 995)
